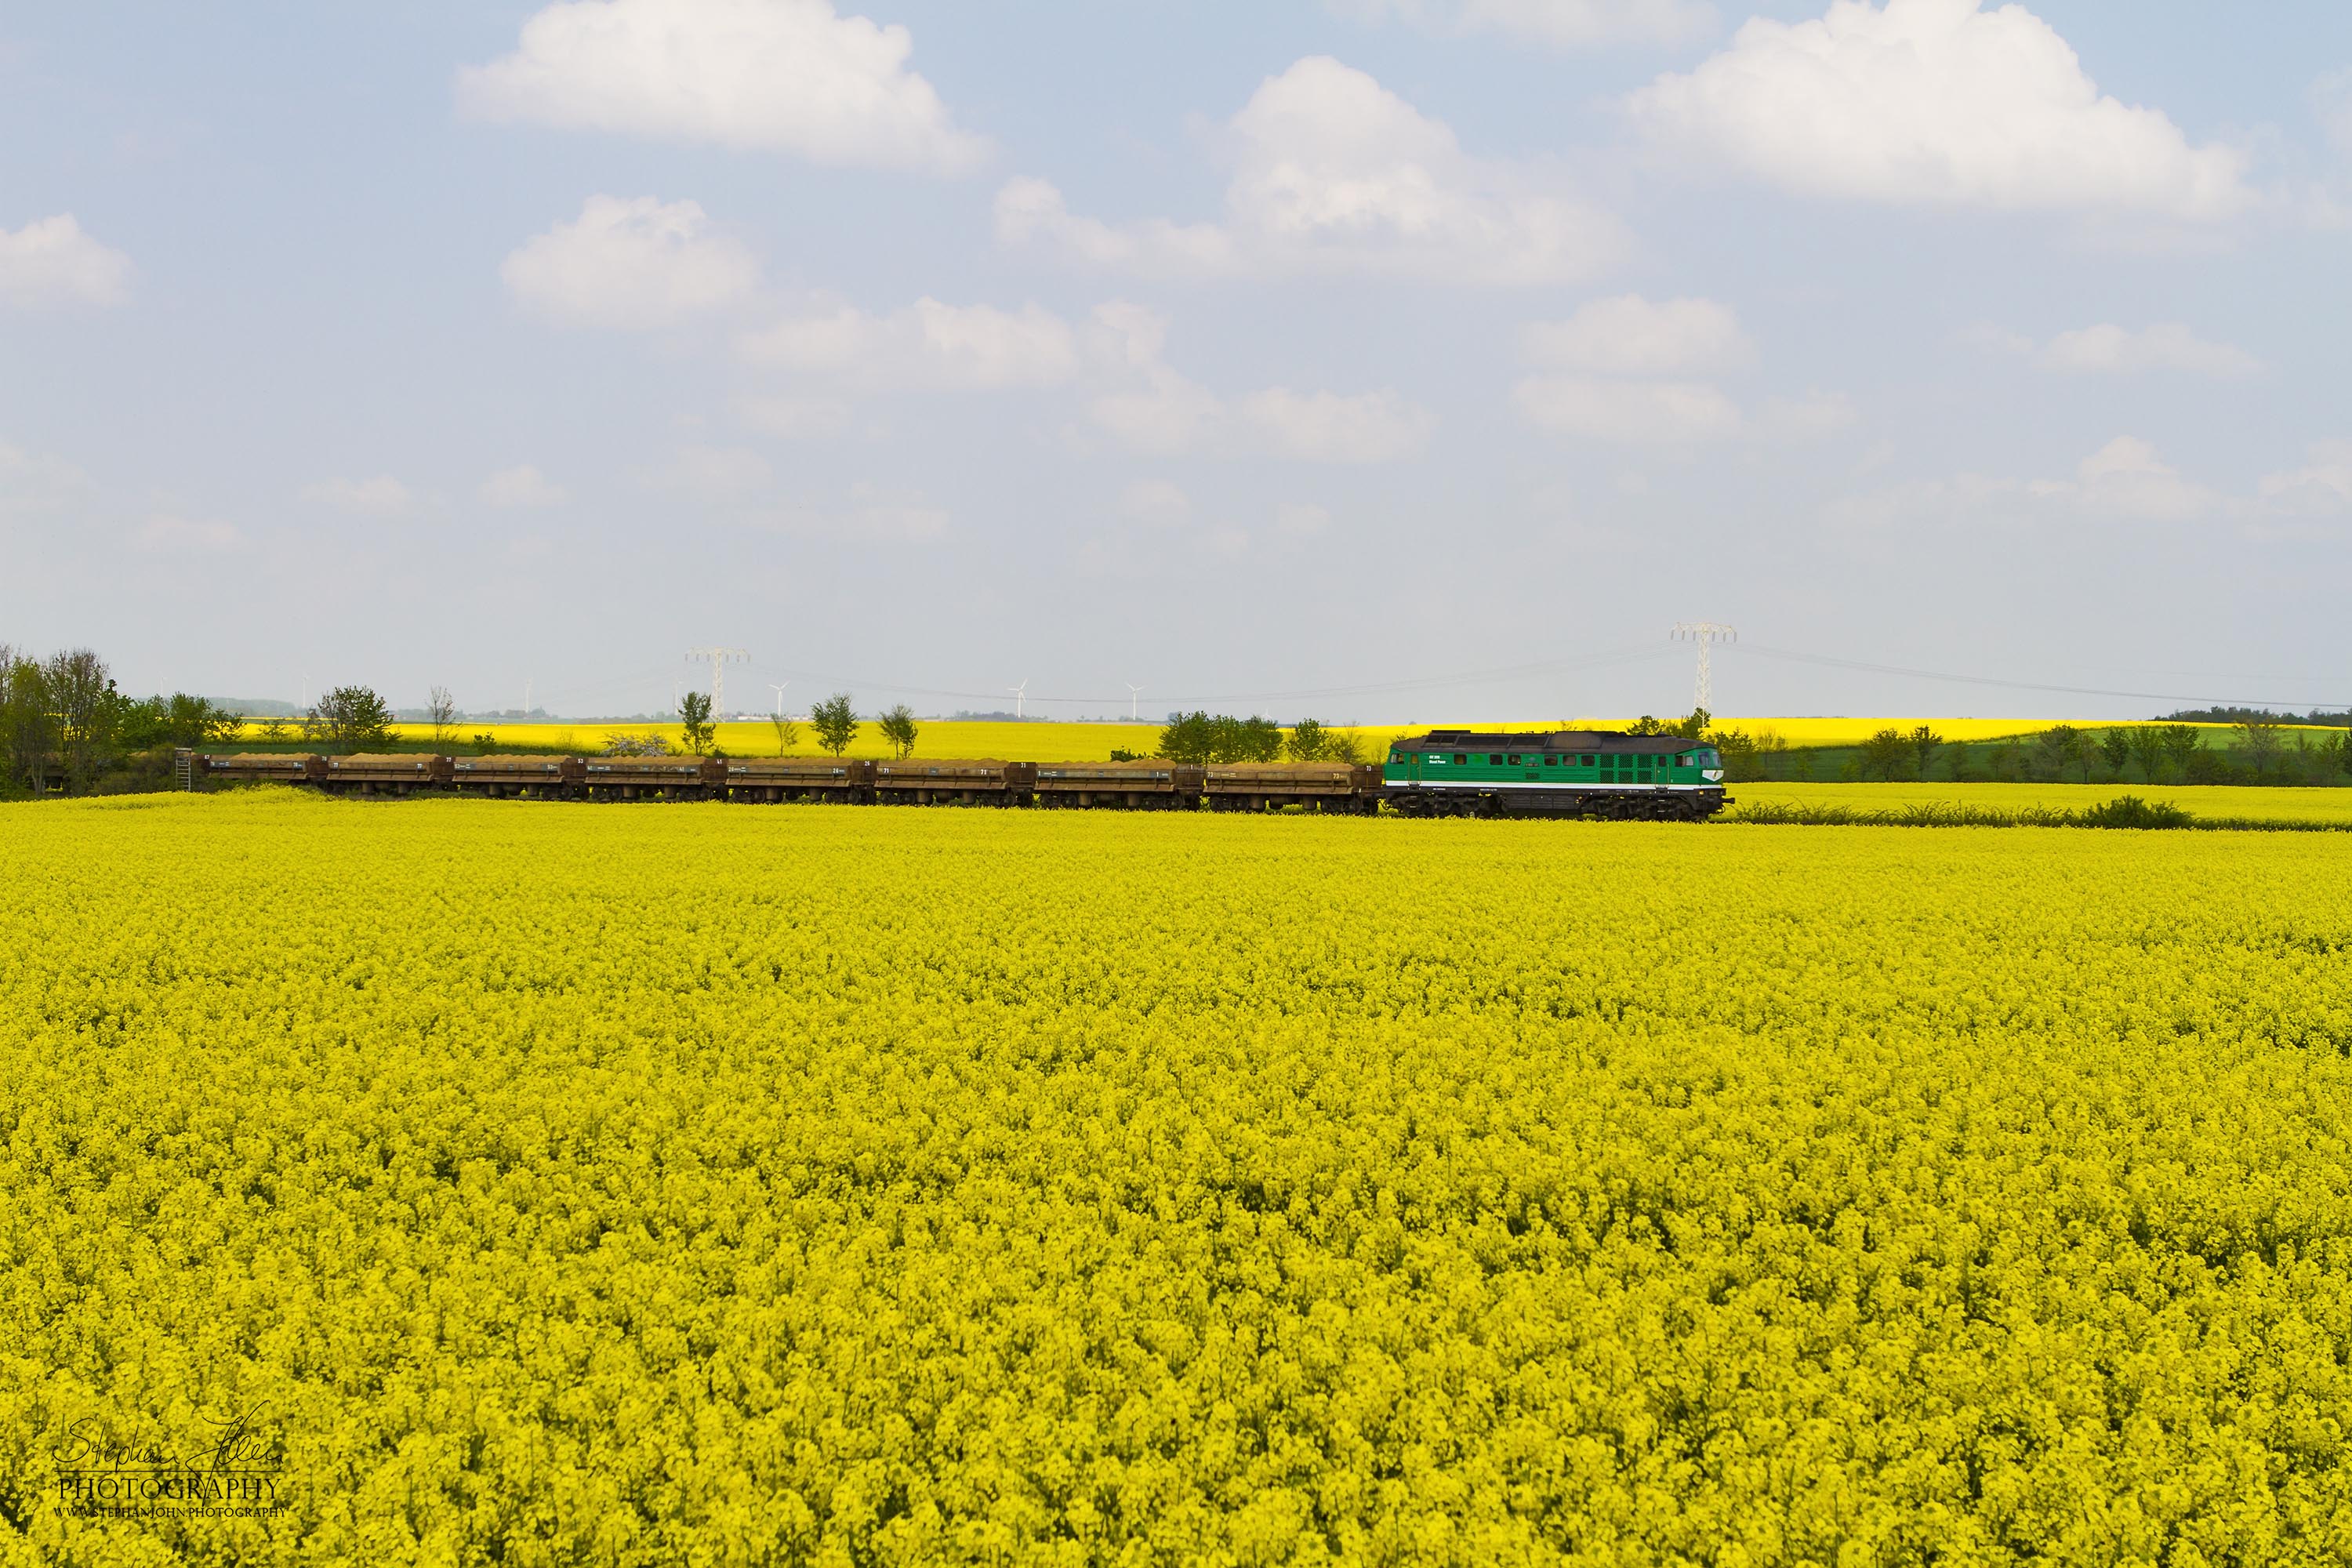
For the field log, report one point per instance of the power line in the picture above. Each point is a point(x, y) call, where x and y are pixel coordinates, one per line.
point(1832, 663)
point(1413, 683)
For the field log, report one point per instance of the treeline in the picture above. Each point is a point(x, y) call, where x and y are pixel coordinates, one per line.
point(2262, 752)
point(2315, 718)
point(1201, 738)
point(2262, 749)
point(64, 725)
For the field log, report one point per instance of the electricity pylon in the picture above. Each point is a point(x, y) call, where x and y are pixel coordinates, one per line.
point(718, 657)
point(1707, 634)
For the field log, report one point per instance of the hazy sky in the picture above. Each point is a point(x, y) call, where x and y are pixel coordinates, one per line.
point(1234, 350)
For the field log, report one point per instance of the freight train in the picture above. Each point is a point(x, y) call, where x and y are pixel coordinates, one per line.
point(1444, 772)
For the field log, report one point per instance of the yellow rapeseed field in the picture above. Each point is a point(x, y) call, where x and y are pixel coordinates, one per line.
point(2295, 803)
point(728, 1184)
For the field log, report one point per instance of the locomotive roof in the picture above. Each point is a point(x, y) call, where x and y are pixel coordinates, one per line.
point(1543, 741)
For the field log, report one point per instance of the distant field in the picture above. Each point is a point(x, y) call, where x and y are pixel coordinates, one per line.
point(939, 737)
point(1044, 742)
point(2204, 800)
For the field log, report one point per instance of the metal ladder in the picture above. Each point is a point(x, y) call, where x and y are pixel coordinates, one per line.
point(184, 768)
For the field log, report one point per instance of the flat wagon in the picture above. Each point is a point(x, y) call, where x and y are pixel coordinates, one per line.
point(1148, 786)
point(654, 778)
point(1319, 786)
point(549, 778)
point(846, 779)
point(386, 773)
point(263, 767)
point(967, 781)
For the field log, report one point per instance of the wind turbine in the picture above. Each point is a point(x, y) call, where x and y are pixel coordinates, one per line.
point(778, 688)
point(1018, 696)
point(1134, 699)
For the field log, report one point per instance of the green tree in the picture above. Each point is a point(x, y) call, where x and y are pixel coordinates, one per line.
point(1646, 725)
point(1743, 761)
point(1251, 740)
point(2063, 746)
point(1691, 729)
point(897, 726)
point(2261, 740)
point(349, 718)
point(2146, 743)
point(1306, 743)
point(2182, 742)
point(693, 718)
point(2335, 751)
point(84, 703)
point(1343, 746)
point(835, 722)
point(1884, 754)
point(1188, 738)
point(27, 729)
point(1923, 742)
point(2116, 746)
point(788, 735)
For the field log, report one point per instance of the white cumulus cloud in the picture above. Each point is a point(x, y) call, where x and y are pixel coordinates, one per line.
point(791, 76)
point(1330, 428)
point(167, 533)
point(2321, 488)
point(795, 418)
point(1935, 102)
point(519, 487)
point(1159, 502)
point(1301, 520)
point(382, 496)
point(1629, 335)
point(1332, 173)
point(1562, 23)
point(50, 261)
point(1628, 413)
point(630, 264)
point(927, 344)
point(2107, 348)
point(2125, 479)
point(2331, 98)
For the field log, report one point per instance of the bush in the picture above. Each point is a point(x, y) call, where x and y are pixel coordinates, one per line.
point(2130, 811)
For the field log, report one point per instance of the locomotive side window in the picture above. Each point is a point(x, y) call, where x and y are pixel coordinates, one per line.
point(1515, 759)
point(1552, 762)
point(1460, 757)
point(1494, 759)
point(1585, 761)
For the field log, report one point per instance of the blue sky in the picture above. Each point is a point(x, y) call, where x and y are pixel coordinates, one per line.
point(1242, 352)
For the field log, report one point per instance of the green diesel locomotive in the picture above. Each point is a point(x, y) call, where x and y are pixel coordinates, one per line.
point(1568, 773)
